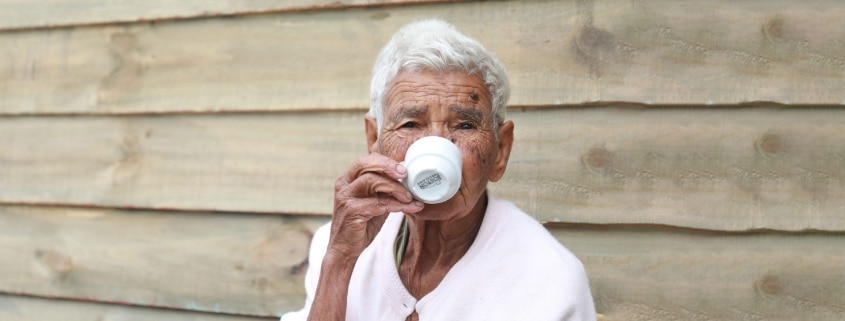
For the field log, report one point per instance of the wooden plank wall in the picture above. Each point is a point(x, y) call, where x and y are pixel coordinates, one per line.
point(170, 160)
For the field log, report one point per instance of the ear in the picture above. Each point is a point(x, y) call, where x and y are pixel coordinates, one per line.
point(371, 130)
point(505, 145)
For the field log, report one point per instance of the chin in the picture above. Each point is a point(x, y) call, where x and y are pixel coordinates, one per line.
point(436, 212)
point(454, 207)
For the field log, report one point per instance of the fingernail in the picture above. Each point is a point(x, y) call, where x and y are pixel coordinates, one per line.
point(418, 204)
point(400, 168)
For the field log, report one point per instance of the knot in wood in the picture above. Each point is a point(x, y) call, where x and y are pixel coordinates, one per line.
point(769, 284)
point(769, 144)
point(773, 29)
point(593, 47)
point(283, 248)
point(597, 158)
point(593, 40)
point(56, 262)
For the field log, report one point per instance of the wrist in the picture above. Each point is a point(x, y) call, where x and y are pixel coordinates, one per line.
point(338, 262)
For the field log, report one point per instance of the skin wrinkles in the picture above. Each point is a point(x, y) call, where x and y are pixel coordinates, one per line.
point(439, 110)
point(472, 114)
point(453, 105)
point(409, 112)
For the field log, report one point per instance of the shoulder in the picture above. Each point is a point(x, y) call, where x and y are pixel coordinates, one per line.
point(531, 263)
point(511, 234)
point(523, 236)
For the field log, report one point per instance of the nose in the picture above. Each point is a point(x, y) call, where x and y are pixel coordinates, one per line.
point(440, 129)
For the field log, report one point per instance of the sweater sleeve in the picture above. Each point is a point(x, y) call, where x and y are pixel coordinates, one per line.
point(316, 252)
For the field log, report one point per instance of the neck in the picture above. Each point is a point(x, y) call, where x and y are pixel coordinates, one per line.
point(435, 246)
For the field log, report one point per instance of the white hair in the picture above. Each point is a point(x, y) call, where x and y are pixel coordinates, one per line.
point(435, 45)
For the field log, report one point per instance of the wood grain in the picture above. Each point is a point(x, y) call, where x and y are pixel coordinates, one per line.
point(557, 53)
point(30, 14)
point(245, 163)
point(24, 308)
point(219, 263)
point(653, 273)
point(190, 261)
point(142, 142)
point(725, 169)
point(731, 170)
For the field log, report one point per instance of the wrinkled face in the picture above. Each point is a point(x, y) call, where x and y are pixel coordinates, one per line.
point(455, 106)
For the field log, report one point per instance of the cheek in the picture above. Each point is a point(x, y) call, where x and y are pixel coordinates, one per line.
point(477, 153)
point(394, 147)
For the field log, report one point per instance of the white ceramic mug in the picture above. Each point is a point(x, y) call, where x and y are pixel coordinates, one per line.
point(434, 169)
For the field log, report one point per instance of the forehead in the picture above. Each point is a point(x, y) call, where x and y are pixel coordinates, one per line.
point(437, 89)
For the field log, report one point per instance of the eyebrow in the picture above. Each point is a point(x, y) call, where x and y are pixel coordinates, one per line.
point(407, 112)
point(469, 113)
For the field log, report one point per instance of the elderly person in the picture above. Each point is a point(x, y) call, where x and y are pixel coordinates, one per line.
point(387, 256)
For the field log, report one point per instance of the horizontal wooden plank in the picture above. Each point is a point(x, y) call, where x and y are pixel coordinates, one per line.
point(26, 14)
point(23, 308)
point(726, 169)
point(220, 263)
point(721, 169)
point(557, 52)
point(246, 162)
point(216, 263)
point(641, 274)
point(647, 273)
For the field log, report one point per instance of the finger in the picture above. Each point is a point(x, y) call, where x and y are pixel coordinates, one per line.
point(378, 205)
point(394, 205)
point(371, 184)
point(377, 164)
point(383, 199)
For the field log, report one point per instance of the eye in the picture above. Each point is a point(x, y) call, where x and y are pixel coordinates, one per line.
point(409, 124)
point(466, 126)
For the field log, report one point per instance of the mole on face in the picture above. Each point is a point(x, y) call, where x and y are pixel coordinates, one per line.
point(473, 96)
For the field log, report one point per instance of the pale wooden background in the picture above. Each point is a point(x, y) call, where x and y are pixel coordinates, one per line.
point(169, 160)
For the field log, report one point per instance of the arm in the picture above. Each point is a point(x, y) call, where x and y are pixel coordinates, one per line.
point(330, 299)
point(364, 196)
